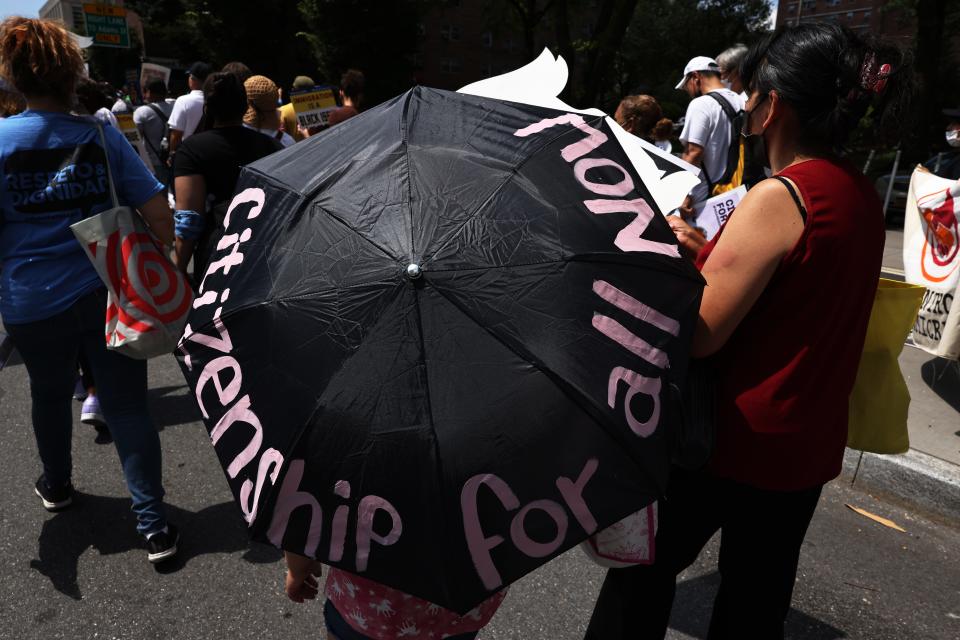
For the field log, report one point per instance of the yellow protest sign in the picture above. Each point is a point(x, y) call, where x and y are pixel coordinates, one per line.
point(313, 106)
point(129, 129)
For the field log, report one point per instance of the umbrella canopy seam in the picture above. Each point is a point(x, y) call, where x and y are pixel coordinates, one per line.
point(589, 408)
point(514, 171)
point(640, 261)
point(233, 312)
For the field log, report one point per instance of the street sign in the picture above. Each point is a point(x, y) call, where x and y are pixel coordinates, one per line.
point(107, 25)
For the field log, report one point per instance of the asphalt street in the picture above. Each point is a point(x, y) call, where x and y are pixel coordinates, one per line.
point(83, 573)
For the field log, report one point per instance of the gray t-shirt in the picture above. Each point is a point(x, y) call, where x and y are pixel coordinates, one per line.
point(152, 127)
point(707, 126)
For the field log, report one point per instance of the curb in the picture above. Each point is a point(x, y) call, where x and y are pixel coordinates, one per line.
point(914, 477)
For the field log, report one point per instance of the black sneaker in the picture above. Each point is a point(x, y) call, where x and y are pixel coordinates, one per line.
point(54, 499)
point(163, 545)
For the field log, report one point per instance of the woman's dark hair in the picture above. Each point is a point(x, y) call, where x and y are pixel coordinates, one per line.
point(93, 95)
point(238, 69)
point(352, 83)
point(662, 130)
point(224, 99)
point(830, 76)
point(644, 111)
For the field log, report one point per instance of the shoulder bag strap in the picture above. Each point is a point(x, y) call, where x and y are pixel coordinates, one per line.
point(106, 156)
point(794, 195)
point(726, 106)
point(157, 110)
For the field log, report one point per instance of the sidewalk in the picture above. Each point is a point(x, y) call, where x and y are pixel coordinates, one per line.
point(928, 475)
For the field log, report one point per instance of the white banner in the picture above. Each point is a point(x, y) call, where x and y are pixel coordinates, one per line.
point(931, 258)
point(150, 72)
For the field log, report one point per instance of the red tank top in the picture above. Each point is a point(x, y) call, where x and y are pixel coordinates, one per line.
point(785, 375)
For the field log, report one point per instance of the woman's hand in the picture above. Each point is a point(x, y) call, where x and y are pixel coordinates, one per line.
point(690, 239)
point(302, 577)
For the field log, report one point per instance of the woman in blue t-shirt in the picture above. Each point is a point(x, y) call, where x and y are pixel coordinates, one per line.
point(53, 173)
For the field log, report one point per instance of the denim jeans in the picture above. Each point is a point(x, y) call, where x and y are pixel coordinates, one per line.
point(50, 349)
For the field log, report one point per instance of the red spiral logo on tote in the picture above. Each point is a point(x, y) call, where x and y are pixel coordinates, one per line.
point(938, 259)
point(143, 278)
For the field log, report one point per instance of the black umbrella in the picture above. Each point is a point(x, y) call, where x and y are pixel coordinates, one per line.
point(434, 345)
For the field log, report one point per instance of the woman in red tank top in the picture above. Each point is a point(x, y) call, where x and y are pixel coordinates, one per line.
point(790, 283)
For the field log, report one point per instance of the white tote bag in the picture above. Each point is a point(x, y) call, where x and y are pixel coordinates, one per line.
point(148, 297)
point(628, 542)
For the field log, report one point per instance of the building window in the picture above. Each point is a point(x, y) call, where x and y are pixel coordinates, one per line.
point(79, 19)
point(833, 3)
point(450, 33)
point(866, 15)
point(450, 65)
point(487, 39)
point(792, 8)
point(849, 15)
point(809, 5)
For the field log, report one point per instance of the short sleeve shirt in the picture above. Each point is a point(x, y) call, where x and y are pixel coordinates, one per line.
point(707, 126)
point(218, 155)
point(152, 126)
point(52, 174)
point(187, 112)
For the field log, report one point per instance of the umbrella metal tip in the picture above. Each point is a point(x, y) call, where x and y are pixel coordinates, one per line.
point(414, 271)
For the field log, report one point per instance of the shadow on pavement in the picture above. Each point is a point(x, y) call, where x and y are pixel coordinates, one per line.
point(170, 406)
point(107, 525)
point(693, 605)
point(943, 378)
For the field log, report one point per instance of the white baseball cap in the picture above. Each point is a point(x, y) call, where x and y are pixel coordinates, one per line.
point(700, 63)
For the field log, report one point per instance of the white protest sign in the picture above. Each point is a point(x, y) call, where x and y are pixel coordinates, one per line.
point(540, 82)
point(931, 258)
point(313, 106)
point(150, 72)
point(132, 134)
point(709, 215)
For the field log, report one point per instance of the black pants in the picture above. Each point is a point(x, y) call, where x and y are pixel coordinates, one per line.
point(761, 534)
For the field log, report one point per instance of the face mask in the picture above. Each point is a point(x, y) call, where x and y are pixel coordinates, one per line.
point(748, 115)
point(953, 138)
point(754, 143)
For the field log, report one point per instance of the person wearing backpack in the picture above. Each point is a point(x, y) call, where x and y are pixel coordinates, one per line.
point(711, 130)
point(151, 120)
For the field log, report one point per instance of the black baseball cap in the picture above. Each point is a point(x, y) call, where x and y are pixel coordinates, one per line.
point(200, 70)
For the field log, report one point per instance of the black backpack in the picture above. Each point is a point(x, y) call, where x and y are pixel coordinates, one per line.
point(743, 167)
point(163, 153)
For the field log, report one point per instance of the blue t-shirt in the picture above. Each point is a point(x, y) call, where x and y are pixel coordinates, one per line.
point(53, 174)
